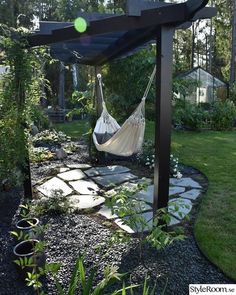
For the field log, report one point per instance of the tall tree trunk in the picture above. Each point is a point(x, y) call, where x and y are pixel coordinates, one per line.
point(74, 70)
point(233, 48)
point(193, 46)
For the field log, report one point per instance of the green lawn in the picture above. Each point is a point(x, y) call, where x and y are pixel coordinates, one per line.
point(74, 129)
point(213, 153)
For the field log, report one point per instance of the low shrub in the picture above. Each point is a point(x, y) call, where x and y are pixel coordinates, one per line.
point(49, 137)
point(223, 114)
point(189, 116)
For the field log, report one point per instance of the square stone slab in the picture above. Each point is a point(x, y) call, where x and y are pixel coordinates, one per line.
point(78, 166)
point(147, 195)
point(106, 212)
point(174, 190)
point(107, 170)
point(193, 194)
point(184, 207)
point(53, 184)
point(72, 175)
point(185, 181)
point(85, 201)
point(112, 180)
point(85, 187)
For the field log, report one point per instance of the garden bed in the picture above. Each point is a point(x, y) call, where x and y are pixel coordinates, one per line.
point(69, 236)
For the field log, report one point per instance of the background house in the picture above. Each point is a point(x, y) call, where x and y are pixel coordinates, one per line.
point(207, 88)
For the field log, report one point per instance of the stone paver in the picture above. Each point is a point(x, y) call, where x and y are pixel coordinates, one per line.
point(173, 190)
point(185, 181)
point(106, 212)
point(85, 201)
point(78, 166)
point(174, 221)
point(193, 194)
point(123, 226)
point(117, 177)
point(72, 175)
point(85, 187)
point(49, 187)
point(63, 169)
point(184, 207)
point(112, 180)
point(147, 195)
point(106, 170)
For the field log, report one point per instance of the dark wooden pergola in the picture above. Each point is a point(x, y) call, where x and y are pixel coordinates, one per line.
point(113, 36)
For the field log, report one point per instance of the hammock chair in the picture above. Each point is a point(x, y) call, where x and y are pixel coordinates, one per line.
point(125, 140)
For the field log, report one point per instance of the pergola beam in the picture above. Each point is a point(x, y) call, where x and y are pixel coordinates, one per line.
point(171, 14)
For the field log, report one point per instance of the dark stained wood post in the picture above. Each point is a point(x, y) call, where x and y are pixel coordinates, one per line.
point(164, 60)
point(98, 100)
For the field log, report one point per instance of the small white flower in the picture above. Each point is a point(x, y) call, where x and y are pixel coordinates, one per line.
point(179, 175)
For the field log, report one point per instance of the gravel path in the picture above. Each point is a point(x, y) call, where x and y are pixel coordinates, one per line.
point(68, 236)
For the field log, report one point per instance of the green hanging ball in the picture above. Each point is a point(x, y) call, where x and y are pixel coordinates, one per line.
point(80, 24)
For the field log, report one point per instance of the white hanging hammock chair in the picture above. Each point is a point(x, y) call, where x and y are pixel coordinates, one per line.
point(125, 140)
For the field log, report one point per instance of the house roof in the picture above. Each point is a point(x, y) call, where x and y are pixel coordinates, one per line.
point(113, 36)
point(206, 78)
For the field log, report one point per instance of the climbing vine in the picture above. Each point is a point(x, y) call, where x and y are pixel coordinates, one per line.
point(20, 89)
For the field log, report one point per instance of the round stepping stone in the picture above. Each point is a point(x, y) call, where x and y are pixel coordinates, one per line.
point(107, 170)
point(72, 175)
point(112, 180)
point(193, 194)
point(52, 185)
point(185, 181)
point(85, 201)
point(85, 187)
point(184, 207)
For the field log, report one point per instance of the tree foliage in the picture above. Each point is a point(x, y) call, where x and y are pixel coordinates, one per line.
point(19, 92)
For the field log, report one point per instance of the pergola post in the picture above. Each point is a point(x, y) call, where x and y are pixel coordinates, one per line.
point(164, 61)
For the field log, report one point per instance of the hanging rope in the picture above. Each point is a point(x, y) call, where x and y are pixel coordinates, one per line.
point(149, 83)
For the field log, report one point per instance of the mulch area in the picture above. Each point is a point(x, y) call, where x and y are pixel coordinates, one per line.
point(69, 236)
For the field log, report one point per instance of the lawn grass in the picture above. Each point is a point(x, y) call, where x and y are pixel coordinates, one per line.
point(213, 153)
point(74, 129)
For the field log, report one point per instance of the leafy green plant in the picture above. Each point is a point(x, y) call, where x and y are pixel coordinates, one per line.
point(34, 272)
point(188, 115)
point(39, 154)
point(39, 118)
point(20, 90)
point(86, 286)
point(50, 137)
point(56, 204)
point(154, 231)
point(20, 235)
point(223, 114)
